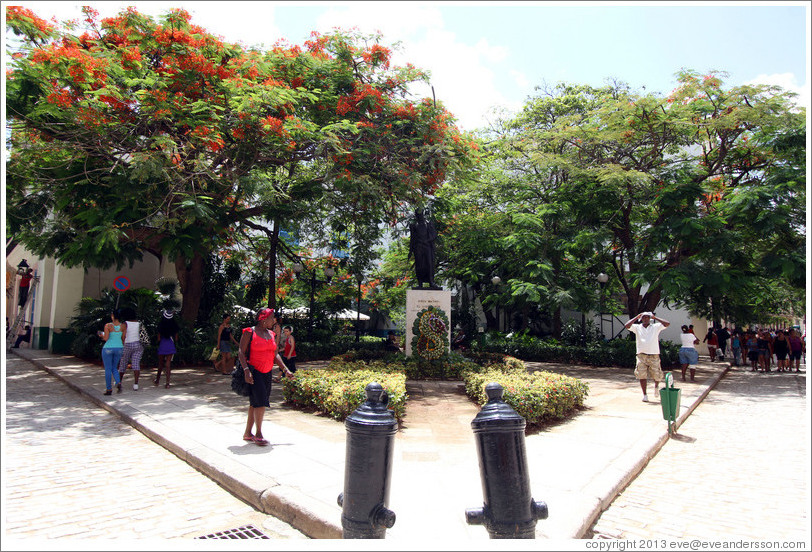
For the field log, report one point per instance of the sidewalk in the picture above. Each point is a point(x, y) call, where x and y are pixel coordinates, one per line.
point(738, 469)
point(577, 467)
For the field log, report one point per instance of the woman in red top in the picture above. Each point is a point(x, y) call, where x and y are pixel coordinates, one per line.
point(262, 355)
point(713, 343)
point(289, 348)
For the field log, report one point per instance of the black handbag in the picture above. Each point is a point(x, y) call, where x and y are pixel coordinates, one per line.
point(238, 384)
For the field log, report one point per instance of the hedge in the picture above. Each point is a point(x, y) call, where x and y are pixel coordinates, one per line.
point(616, 352)
point(340, 388)
point(537, 397)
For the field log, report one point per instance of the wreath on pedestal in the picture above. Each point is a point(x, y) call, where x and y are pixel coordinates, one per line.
point(430, 332)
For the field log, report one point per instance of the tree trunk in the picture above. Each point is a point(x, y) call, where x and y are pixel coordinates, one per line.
point(190, 278)
point(650, 300)
point(273, 237)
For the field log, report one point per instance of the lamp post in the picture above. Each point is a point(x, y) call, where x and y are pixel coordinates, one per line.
point(298, 268)
point(359, 278)
point(602, 279)
point(22, 267)
point(496, 280)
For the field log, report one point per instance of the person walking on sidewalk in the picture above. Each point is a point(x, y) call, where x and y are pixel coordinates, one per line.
point(713, 342)
point(133, 350)
point(796, 349)
point(647, 339)
point(225, 338)
point(263, 352)
point(736, 346)
point(752, 351)
point(688, 355)
point(781, 349)
point(167, 345)
point(765, 351)
point(722, 335)
point(112, 351)
point(289, 348)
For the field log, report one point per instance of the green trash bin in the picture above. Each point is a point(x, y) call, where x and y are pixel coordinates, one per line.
point(669, 399)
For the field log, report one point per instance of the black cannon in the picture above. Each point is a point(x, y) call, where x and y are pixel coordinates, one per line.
point(509, 510)
point(370, 443)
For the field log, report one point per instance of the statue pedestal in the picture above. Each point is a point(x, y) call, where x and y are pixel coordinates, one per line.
point(419, 299)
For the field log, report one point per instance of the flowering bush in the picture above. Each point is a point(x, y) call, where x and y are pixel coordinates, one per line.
point(339, 389)
point(537, 397)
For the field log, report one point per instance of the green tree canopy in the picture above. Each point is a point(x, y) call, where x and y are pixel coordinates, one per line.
point(696, 198)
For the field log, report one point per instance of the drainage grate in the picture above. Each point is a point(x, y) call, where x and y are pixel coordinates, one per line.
point(245, 532)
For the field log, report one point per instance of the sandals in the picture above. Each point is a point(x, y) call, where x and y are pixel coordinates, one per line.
point(258, 440)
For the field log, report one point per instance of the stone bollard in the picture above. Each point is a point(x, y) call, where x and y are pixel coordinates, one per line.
point(509, 510)
point(370, 443)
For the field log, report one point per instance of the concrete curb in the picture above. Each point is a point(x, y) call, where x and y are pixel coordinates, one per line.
point(637, 465)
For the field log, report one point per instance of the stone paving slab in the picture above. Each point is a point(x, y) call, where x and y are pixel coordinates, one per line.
point(577, 466)
point(72, 471)
point(737, 469)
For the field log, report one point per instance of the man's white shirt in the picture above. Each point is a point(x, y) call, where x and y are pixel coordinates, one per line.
point(647, 338)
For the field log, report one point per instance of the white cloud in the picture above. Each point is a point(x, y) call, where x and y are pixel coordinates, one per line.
point(460, 73)
point(787, 81)
point(396, 21)
point(520, 79)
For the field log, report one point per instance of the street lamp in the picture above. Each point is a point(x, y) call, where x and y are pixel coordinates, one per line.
point(298, 268)
point(602, 279)
point(359, 278)
point(22, 267)
point(496, 280)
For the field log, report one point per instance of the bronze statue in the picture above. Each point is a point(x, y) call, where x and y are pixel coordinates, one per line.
point(421, 244)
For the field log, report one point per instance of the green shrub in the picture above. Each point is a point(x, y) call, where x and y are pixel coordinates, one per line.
point(340, 388)
point(537, 397)
point(617, 352)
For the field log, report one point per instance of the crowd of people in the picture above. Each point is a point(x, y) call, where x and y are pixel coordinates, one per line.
point(763, 348)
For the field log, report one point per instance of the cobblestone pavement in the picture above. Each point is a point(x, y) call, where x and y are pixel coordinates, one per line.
point(73, 470)
point(737, 468)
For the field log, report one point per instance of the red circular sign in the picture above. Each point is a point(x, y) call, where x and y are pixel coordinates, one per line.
point(121, 283)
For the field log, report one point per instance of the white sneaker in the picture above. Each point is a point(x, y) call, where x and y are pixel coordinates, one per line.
point(135, 387)
point(645, 398)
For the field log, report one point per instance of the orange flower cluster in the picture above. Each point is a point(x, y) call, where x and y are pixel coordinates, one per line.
point(274, 125)
point(82, 67)
point(61, 98)
point(18, 13)
point(377, 55)
point(212, 140)
point(363, 94)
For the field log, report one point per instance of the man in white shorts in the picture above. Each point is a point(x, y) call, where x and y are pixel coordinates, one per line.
point(647, 339)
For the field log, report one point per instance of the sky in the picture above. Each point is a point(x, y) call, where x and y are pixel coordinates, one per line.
point(487, 56)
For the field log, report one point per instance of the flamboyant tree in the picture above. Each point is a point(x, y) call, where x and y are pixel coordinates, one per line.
point(131, 135)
